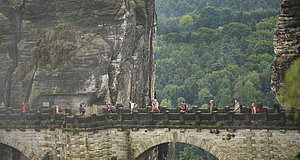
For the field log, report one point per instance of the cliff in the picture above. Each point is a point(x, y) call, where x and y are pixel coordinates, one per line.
point(286, 42)
point(73, 51)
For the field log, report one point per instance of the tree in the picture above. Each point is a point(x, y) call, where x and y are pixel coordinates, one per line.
point(209, 17)
point(190, 152)
point(186, 22)
point(235, 29)
point(223, 47)
point(166, 102)
point(162, 26)
point(224, 97)
point(205, 35)
point(203, 95)
point(205, 106)
point(165, 70)
point(179, 100)
point(264, 26)
point(290, 93)
point(264, 46)
point(247, 93)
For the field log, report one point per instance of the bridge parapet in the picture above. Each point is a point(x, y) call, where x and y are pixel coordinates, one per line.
point(170, 118)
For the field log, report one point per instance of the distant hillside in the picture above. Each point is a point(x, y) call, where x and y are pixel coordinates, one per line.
point(215, 49)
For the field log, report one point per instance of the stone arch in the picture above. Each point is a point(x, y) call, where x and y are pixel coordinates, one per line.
point(20, 146)
point(180, 137)
point(293, 151)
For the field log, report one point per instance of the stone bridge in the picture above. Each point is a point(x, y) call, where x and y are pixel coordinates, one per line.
point(37, 134)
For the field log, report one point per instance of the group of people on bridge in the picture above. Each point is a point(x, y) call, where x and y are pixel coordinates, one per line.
point(155, 107)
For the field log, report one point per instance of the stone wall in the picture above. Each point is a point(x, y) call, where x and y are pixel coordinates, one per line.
point(286, 42)
point(122, 135)
point(240, 144)
point(169, 118)
point(101, 50)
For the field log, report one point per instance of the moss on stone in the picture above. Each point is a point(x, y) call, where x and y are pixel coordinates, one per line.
point(54, 49)
point(47, 156)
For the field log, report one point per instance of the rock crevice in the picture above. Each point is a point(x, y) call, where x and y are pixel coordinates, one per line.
point(13, 13)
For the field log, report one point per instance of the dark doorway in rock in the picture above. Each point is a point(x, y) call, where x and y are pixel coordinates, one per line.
point(9, 153)
point(176, 151)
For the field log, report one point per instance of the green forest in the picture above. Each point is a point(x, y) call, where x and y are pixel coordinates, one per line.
point(215, 49)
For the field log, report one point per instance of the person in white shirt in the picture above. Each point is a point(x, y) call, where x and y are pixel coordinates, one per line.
point(132, 107)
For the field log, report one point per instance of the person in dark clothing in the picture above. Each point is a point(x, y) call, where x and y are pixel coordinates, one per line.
point(81, 109)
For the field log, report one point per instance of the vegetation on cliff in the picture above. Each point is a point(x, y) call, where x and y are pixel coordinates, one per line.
point(219, 50)
point(54, 49)
point(290, 94)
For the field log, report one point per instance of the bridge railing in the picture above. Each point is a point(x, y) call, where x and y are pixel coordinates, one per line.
point(171, 118)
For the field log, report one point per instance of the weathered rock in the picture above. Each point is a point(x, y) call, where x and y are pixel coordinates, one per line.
point(111, 58)
point(286, 42)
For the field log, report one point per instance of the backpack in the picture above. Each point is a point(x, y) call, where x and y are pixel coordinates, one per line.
point(257, 110)
point(114, 109)
point(241, 108)
point(83, 109)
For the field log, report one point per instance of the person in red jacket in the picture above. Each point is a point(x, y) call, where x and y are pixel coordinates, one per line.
point(183, 107)
point(112, 108)
point(24, 107)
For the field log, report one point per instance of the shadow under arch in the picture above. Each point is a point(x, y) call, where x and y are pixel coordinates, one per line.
point(175, 151)
point(19, 146)
point(180, 138)
point(9, 153)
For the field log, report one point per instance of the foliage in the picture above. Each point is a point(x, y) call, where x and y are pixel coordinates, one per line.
point(179, 100)
point(47, 156)
point(186, 21)
point(290, 94)
point(205, 106)
point(191, 152)
point(176, 8)
point(291, 158)
point(215, 49)
point(167, 103)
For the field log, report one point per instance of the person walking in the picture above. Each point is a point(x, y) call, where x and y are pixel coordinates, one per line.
point(132, 106)
point(155, 106)
point(81, 109)
point(237, 108)
point(183, 106)
point(211, 106)
point(24, 107)
point(253, 108)
point(58, 109)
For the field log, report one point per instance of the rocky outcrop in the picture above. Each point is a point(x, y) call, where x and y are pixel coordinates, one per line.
point(92, 51)
point(286, 42)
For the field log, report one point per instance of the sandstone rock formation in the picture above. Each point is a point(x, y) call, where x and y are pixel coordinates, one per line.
point(72, 51)
point(286, 42)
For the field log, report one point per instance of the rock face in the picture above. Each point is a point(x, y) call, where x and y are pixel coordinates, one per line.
point(286, 42)
point(90, 51)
